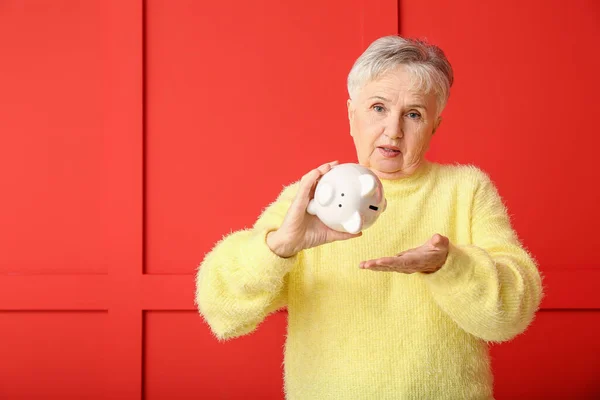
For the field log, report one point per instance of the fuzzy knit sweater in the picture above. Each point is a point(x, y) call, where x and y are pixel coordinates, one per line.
point(358, 334)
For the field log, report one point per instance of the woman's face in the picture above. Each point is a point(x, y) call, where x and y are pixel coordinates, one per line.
point(391, 124)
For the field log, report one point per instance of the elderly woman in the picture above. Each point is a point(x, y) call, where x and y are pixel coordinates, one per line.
point(405, 309)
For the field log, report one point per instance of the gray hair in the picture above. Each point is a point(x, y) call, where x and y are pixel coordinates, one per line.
point(428, 64)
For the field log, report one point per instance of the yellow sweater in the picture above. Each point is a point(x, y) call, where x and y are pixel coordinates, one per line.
point(358, 334)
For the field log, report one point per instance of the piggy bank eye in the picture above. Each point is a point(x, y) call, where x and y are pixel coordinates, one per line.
point(342, 194)
point(339, 205)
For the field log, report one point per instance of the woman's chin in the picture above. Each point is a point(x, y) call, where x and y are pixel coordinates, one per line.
point(388, 166)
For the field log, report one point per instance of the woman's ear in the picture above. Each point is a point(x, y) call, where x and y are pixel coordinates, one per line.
point(350, 114)
point(438, 122)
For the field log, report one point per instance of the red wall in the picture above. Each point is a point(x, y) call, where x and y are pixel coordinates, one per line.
point(123, 122)
point(524, 108)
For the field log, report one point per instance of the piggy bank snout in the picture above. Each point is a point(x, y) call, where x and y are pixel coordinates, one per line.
point(324, 193)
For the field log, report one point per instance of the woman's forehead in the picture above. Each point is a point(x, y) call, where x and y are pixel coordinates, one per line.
point(399, 81)
point(391, 90)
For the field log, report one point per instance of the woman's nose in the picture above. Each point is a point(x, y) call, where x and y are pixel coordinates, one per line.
point(395, 131)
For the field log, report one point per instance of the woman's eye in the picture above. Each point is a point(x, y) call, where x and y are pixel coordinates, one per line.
point(378, 109)
point(413, 115)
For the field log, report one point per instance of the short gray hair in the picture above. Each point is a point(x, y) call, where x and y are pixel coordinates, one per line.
point(427, 63)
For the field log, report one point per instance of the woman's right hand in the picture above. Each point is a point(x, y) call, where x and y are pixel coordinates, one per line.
point(300, 230)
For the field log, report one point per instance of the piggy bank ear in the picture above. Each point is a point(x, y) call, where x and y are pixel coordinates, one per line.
point(353, 224)
point(324, 194)
point(367, 185)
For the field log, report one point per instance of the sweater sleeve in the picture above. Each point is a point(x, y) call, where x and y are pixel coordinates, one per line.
point(241, 281)
point(490, 287)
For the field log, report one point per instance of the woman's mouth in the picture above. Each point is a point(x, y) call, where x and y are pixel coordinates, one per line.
point(389, 151)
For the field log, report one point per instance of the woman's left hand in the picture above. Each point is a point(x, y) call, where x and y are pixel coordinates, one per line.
point(427, 258)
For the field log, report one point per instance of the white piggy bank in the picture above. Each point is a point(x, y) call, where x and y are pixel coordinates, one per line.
point(348, 198)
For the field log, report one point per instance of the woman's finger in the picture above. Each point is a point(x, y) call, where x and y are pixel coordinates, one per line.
point(380, 268)
point(391, 262)
point(439, 242)
point(394, 262)
point(327, 166)
point(373, 264)
point(404, 263)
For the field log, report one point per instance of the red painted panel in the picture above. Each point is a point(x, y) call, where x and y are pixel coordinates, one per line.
point(242, 98)
point(524, 108)
point(184, 361)
point(53, 206)
point(53, 355)
point(71, 115)
point(54, 292)
point(557, 358)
